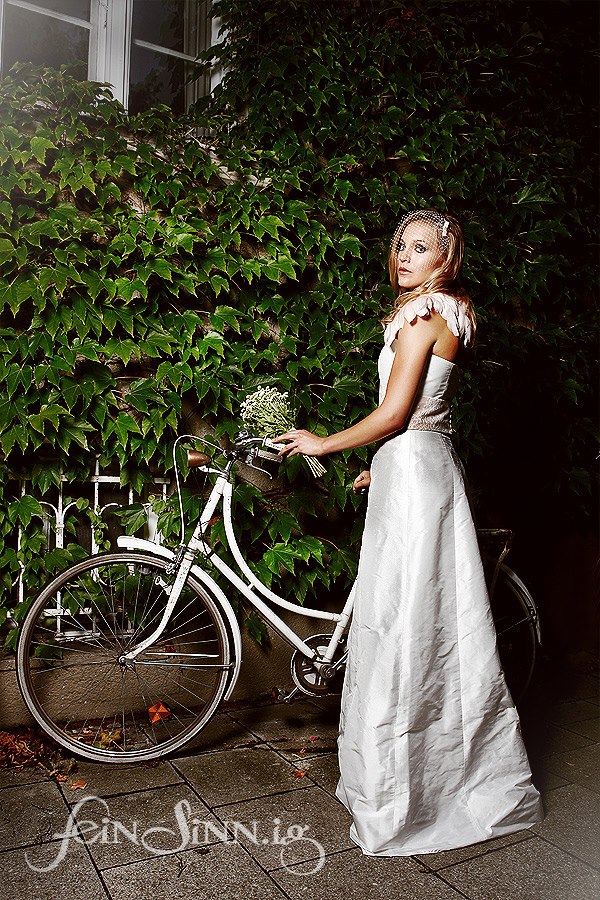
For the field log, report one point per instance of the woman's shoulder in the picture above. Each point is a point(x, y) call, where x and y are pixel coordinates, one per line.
point(451, 308)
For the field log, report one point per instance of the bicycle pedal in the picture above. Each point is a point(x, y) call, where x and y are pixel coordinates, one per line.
point(287, 697)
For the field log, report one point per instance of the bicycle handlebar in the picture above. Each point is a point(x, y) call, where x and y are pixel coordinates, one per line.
point(246, 447)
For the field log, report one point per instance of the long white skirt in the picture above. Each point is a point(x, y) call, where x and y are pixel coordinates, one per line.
point(430, 750)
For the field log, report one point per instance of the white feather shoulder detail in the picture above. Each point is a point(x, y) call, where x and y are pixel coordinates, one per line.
point(450, 308)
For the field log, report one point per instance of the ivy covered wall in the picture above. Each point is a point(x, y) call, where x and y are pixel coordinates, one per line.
point(150, 276)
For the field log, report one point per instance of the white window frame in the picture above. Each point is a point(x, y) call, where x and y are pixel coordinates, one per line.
point(109, 45)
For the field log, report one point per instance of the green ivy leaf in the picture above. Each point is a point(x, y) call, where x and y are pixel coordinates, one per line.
point(268, 224)
point(7, 250)
point(23, 510)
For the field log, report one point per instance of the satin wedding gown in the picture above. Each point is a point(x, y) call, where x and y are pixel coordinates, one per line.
point(430, 750)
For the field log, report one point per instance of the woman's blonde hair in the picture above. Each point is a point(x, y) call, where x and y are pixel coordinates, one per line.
point(451, 246)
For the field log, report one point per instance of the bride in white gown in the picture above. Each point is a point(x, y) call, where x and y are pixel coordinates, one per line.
point(431, 756)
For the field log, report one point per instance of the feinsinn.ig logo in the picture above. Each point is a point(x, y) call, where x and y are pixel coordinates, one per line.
point(305, 854)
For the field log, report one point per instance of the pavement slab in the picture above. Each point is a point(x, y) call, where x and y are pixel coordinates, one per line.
point(222, 732)
point(527, 870)
point(572, 822)
point(329, 703)
point(354, 876)
point(323, 823)
point(31, 814)
point(580, 766)
point(589, 728)
point(544, 738)
point(293, 727)
point(543, 779)
point(222, 870)
point(563, 685)
point(322, 768)
point(73, 878)
point(23, 775)
point(444, 858)
point(579, 687)
point(572, 711)
point(144, 825)
point(245, 773)
point(104, 780)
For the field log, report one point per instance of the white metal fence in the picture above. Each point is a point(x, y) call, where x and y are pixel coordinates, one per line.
point(104, 493)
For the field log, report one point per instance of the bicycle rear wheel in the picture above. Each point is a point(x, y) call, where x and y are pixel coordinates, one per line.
point(74, 678)
point(516, 620)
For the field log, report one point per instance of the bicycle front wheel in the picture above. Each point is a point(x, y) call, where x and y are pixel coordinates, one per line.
point(74, 676)
point(516, 620)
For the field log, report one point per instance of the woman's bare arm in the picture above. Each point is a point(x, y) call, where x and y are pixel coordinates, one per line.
point(414, 345)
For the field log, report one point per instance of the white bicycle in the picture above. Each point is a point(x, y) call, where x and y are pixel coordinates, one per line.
point(126, 656)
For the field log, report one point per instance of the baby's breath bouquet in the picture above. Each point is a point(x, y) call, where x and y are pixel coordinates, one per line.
point(267, 412)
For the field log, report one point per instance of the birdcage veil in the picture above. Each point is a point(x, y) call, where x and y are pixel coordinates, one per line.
point(432, 217)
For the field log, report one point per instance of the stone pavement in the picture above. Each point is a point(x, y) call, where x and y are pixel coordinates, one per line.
point(159, 830)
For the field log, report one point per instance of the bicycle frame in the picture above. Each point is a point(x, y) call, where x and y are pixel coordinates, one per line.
point(222, 492)
point(183, 563)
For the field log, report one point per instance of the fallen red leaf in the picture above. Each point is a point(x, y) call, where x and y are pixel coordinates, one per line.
point(77, 785)
point(300, 773)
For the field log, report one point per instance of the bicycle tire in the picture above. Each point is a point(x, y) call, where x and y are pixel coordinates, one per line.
point(516, 620)
point(78, 687)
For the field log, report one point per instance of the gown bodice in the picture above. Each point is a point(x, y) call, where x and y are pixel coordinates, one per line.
point(439, 381)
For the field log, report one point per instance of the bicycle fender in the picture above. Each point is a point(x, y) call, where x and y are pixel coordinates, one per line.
point(512, 576)
point(128, 542)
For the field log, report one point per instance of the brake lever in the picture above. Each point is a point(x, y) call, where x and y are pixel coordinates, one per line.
point(259, 469)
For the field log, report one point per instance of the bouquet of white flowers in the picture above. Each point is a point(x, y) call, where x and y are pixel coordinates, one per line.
point(267, 412)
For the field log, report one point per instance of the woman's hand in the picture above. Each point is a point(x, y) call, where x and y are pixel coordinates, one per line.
point(304, 442)
point(362, 482)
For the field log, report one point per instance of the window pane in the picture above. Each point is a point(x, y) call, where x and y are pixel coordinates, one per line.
point(162, 22)
point(156, 78)
point(32, 37)
point(79, 9)
point(180, 25)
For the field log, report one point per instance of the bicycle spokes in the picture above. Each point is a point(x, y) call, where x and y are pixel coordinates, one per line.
point(75, 658)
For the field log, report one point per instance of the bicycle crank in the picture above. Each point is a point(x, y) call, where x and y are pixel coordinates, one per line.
point(315, 681)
